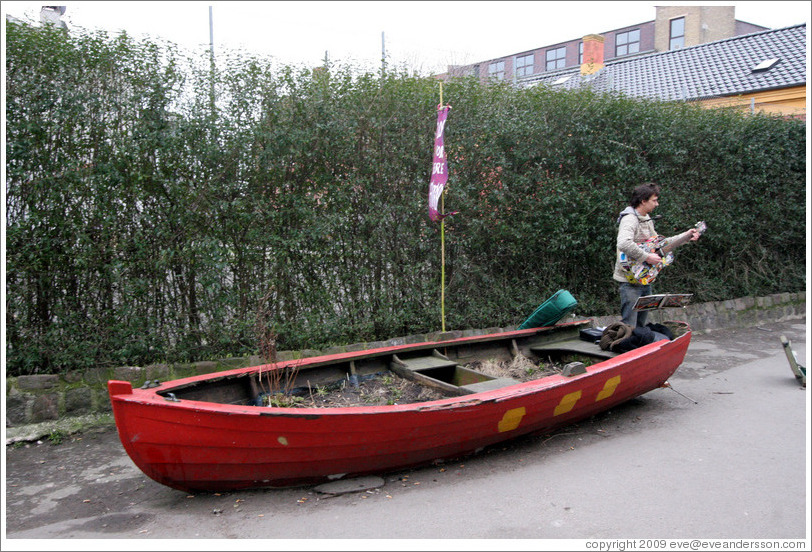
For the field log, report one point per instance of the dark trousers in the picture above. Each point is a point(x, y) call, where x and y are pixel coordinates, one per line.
point(629, 293)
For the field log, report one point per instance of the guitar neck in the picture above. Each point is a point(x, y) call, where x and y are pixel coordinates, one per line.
point(700, 226)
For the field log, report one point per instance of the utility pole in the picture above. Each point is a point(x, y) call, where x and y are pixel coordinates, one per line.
point(211, 57)
point(211, 33)
point(383, 54)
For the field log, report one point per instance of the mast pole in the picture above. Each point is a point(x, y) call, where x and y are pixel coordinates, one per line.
point(442, 244)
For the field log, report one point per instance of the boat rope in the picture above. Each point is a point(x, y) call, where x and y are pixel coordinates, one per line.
point(671, 387)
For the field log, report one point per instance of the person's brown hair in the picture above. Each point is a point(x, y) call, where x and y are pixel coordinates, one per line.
point(643, 192)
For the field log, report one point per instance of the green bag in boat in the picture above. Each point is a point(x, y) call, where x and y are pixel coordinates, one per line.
point(551, 311)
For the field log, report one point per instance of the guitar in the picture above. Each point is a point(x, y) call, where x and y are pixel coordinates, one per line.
point(643, 273)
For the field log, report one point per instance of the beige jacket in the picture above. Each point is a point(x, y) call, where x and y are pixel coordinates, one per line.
point(633, 230)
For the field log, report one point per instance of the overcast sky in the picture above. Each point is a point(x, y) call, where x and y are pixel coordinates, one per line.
point(423, 35)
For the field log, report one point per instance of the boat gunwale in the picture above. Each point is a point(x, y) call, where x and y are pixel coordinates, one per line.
point(158, 395)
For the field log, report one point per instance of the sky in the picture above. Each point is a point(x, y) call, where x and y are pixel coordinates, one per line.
point(424, 36)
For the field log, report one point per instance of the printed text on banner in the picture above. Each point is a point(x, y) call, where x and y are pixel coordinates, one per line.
point(439, 166)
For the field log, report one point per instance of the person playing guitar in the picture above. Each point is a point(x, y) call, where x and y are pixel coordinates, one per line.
point(641, 252)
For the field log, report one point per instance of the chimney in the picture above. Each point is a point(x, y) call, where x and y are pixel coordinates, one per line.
point(593, 54)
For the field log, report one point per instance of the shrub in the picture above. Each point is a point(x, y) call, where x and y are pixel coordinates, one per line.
point(153, 201)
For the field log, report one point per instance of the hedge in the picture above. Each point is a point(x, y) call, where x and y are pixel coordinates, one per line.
point(158, 205)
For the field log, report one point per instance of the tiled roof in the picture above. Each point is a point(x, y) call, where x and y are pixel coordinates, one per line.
point(721, 68)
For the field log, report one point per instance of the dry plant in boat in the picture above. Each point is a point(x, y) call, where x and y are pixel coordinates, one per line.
point(519, 368)
point(276, 382)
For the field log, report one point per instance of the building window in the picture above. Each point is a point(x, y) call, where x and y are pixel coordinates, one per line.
point(580, 53)
point(524, 65)
point(496, 70)
point(677, 33)
point(556, 58)
point(627, 43)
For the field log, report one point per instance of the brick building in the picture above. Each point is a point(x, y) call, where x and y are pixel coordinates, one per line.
point(763, 71)
point(688, 53)
point(673, 27)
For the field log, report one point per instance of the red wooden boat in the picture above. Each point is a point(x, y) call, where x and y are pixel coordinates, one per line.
point(203, 432)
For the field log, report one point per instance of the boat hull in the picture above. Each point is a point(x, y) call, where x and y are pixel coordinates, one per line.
point(196, 445)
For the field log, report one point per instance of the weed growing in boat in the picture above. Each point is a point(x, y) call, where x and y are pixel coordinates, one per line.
point(274, 381)
point(395, 393)
point(283, 401)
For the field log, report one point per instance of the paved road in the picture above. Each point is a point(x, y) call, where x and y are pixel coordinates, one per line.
point(735, 464)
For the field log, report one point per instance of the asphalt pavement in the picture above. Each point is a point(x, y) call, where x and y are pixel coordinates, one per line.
point(722, 454)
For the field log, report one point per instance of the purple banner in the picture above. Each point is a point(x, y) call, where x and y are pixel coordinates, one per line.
point(439, 166)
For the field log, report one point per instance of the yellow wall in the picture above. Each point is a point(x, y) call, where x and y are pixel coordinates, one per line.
point(790, 102)
point(702, 24)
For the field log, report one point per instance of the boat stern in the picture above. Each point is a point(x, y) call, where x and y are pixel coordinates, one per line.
point(116, 387)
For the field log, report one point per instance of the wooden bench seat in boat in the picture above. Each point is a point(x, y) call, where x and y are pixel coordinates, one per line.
point(425, 363)
point(442, 373)
point(489, 385)
point(578, 346)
